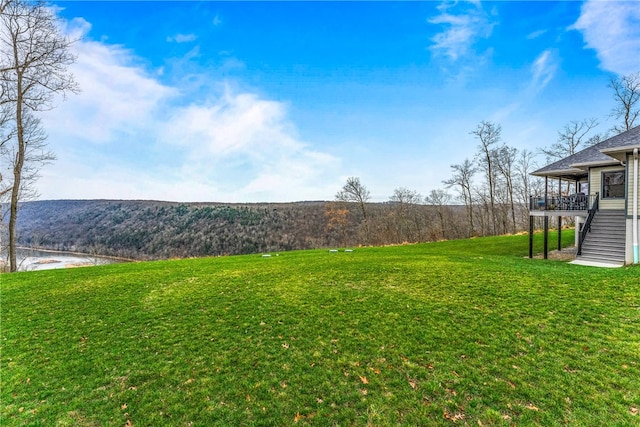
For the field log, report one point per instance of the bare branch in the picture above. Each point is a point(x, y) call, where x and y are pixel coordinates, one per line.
point(488, 134)
point(626, 93)
point(573, 138)
point(463, 180)
point(354, 191)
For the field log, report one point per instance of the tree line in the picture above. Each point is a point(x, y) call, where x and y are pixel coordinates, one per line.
point(493, 186)
point(147, 230)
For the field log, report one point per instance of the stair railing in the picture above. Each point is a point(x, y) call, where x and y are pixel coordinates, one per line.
point(586, 227)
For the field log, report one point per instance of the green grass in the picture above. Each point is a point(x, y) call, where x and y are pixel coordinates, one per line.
point(464, 332)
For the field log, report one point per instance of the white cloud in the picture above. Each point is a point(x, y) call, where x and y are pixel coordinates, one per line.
point(127, 135)
point(462, 29)
point(245, 143)
point(115, 97)
point(612, 29)
point(76, 28)
point(182, 38)
point(543, 70)
point(534, 35)
point(230, 124)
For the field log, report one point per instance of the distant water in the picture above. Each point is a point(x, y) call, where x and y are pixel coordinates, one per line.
point(31, 260)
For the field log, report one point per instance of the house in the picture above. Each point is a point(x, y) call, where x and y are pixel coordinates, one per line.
point(599, 187)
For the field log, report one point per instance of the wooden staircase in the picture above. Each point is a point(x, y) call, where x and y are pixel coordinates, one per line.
point(606, 241)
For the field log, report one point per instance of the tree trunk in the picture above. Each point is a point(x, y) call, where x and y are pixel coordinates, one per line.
point(470, 213)
point(15, 190)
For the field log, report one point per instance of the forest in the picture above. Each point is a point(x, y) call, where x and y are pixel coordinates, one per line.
point(147, 230)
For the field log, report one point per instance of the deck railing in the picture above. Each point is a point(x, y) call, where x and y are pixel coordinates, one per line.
point(572, 202)
point(586, 227)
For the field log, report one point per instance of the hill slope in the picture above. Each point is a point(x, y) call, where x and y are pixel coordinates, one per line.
point(156, 230)
point(466, 332)
point(161, 230)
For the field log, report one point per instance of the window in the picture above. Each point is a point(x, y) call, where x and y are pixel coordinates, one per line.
point(613, 184)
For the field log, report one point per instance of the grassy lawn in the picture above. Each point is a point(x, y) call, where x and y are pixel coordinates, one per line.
point(462, 332)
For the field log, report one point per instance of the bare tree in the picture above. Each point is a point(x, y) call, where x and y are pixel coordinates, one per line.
point(337, 220)
point(505, 161)
point(573, 138)
point(489, 135)
point(463, 180)
point(527, 185)
point(405, 196)
point(354, 191)
point(34, 60)
point(407, 221)
point(440, 200)
point(626, 93)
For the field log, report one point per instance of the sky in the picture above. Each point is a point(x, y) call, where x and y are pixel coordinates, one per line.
point(283, 101)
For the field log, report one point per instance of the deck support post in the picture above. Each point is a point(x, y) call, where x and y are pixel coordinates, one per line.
point(546, 237)
point(559, 189)
point(531, 219)
point(546, 193)
point(559, 197)
point(559, 233)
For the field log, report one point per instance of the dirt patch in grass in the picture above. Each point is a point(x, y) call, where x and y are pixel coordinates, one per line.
point(566, 254)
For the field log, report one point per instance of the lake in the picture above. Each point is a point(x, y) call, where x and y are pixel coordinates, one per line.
point(31, 260)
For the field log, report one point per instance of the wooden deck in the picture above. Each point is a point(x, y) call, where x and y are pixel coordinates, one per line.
point(556, 213)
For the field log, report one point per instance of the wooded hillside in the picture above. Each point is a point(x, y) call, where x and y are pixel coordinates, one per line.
point(160, 230)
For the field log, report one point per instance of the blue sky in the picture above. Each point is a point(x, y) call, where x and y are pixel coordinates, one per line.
point(282, 101)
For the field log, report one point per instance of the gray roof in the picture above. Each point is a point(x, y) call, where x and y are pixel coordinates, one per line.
point(571, 166)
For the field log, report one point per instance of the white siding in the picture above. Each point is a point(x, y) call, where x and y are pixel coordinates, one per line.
point(595, 186)
point(628, 258)
point(630, 184)
point(630, 181)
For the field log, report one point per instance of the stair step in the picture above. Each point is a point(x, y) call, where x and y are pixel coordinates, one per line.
point(605, 236)
point(602, 251)
point(609, 212)
point(614, 235)
point(603, 243)
point(601, 260)
point(606, 240)
point(601, 255)
point(603, 247)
